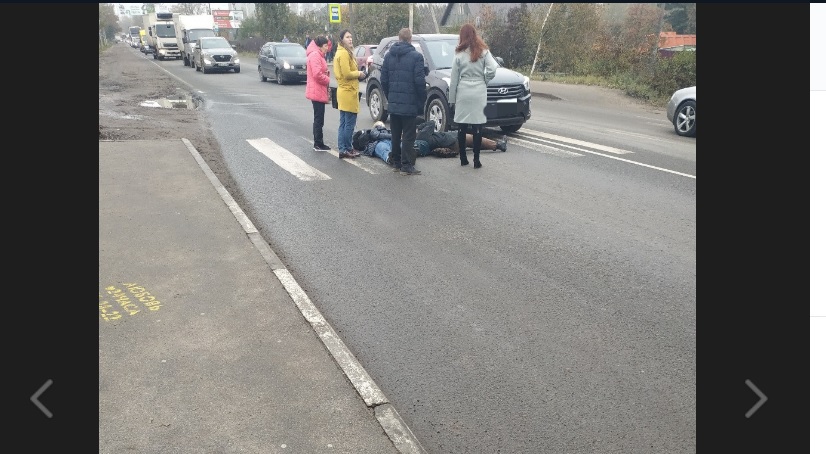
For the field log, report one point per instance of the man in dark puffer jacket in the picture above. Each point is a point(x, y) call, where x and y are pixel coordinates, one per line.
point(402, 81)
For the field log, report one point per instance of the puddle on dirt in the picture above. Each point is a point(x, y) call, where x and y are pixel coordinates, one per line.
point(182, 101)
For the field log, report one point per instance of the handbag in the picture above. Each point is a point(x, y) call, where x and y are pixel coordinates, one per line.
point(332, 96)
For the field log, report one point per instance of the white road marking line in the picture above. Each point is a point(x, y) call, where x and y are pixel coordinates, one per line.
point(360, 165)
point(355, 161)
point(287, 161)
point(619, 159)
point(577, 142)
point(636, 134)
point(545, 149)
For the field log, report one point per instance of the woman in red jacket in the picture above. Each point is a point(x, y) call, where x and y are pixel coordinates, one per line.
point(318, 79)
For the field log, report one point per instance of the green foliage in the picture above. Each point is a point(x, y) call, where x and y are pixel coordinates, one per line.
point(673, 73)
point(108, 21)
point(274, 20)
point(250, 27)
point(608, 44)
point(682, 17)
point(375, 21)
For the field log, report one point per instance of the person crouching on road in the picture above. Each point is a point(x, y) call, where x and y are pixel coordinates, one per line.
point(348, 77)
point(318, 79)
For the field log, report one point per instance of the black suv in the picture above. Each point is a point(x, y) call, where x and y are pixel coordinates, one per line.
point(509, 93)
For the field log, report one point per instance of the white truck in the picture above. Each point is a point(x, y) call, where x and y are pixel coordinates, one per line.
point(160, 31)
point(190, 28)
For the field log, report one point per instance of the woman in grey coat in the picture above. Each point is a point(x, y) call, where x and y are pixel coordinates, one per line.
point(473, 69)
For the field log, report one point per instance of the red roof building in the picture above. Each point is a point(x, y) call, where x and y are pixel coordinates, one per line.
point(673, 41)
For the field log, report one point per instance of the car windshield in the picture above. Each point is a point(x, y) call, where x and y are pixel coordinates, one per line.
point(214, 43)
point(197, 34)
point(441, 52)
point(165, 30)
point(290, 51)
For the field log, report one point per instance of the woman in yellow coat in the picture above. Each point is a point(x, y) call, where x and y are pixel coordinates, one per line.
point(348, 77)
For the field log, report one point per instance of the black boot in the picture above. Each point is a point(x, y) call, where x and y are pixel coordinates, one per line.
point(460, 139)
point(477, 146)
point(462, 152)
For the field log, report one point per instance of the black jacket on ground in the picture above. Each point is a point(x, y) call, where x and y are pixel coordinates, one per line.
point(402, 80)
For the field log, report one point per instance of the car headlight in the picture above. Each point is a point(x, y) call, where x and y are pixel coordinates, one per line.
point(287, 65)
point(527, 83)
point(236, 60)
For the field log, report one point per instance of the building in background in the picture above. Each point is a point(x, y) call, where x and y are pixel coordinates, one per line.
point(301, 8)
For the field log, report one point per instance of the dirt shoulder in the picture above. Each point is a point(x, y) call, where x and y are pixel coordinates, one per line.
point(125, 80)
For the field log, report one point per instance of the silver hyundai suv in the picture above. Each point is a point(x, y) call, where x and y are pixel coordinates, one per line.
point(215, 54)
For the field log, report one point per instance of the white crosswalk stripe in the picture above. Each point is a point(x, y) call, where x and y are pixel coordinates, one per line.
point(288, 161)
point(545, 149)
point(568, 140)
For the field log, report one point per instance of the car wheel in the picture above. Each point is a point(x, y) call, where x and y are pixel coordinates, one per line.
point(437, 111)
point(261, 75)
point(376, 106)
point(278, 78)
point(237, 70)
point(510, 128)
point(685, 119)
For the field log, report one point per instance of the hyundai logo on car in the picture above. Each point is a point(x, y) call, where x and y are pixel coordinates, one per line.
point(503, 91)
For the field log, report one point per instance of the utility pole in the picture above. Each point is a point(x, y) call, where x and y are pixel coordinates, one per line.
point(410, 20)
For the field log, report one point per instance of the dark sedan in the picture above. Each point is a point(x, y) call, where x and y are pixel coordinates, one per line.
point(284, 62)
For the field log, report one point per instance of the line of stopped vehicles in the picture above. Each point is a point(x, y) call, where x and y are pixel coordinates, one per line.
point(509, 93)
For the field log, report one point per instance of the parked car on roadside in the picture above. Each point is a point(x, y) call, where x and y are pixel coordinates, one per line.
point(362, 53)
point(682, 111)
point(509, 92)
point(284, 62)
point(215, 53)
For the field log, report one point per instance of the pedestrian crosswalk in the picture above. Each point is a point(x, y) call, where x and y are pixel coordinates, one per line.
point(529, 140)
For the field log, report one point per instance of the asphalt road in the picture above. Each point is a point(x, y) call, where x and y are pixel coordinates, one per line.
point(543, 303)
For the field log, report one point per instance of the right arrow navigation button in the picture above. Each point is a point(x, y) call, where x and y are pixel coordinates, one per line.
point(759, 403)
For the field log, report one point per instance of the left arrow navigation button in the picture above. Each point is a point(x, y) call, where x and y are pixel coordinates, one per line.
point(37, 402)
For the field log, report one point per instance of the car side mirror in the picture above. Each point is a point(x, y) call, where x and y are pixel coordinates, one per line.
point(426, 70)
point(233, 46)
point(500, 61)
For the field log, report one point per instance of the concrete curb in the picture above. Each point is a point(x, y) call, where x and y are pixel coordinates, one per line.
point(394, 427)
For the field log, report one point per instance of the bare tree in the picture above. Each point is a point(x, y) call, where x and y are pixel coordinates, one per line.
point(190, 8)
